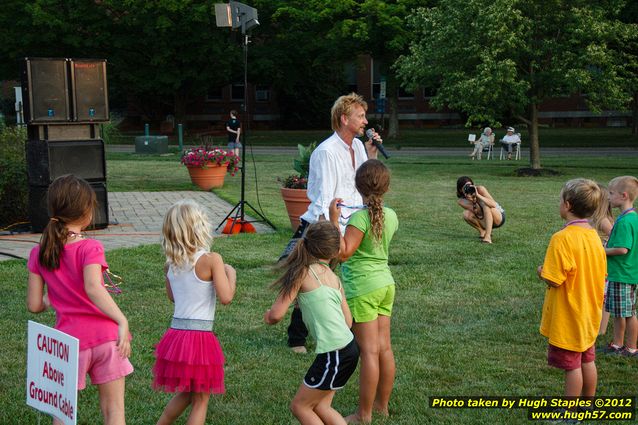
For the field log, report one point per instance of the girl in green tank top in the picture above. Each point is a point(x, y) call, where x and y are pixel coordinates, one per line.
point(309, 278)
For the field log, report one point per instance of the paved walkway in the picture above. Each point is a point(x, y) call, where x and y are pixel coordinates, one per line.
point(136, 219)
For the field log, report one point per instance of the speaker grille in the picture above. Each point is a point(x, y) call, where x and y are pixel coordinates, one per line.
point(39, 216)
point(89, 90)
point(47, 91)
point(48, 160)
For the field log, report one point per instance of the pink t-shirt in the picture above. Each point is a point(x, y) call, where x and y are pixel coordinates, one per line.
point(75, 313)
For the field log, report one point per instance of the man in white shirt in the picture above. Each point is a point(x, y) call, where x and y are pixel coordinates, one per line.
point(333, 165)
point(509, 140)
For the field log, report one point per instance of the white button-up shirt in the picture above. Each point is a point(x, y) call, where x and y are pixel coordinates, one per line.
point(331, 176)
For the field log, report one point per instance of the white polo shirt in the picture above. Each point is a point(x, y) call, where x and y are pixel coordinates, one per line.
point(331, 176)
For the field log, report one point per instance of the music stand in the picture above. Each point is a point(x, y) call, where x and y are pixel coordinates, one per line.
point(239, 15)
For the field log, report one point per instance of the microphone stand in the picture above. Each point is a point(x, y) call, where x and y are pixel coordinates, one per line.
point(239, 209)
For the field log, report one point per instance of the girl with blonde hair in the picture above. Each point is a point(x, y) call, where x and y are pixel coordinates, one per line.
point(189, 358)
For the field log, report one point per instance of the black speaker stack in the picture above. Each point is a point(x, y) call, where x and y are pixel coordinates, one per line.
point(65, 100)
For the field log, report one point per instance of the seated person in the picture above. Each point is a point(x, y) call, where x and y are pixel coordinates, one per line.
point(486, 139)
point(509, 140)
point(481, 211)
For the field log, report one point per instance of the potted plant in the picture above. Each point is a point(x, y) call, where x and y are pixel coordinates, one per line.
point(208, 166)
point(293, 187)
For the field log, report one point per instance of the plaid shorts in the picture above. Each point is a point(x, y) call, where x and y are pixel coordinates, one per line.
point(621, 299)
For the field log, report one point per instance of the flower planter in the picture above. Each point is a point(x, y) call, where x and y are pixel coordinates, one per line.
point(209, 177)
point(296, 204)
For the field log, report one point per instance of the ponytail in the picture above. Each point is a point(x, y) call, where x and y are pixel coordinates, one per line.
point(69, 199)
point(373, 181)
point(52, 242)
point(296, 269)
point(321, 241)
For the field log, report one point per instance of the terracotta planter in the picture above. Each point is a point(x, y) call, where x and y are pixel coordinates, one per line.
point(209, 177)
point(296, 203)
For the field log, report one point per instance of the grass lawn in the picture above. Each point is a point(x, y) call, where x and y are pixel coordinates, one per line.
point(466, 314)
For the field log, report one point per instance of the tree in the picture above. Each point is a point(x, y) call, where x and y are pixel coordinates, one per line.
point(167, 50)
point(299, 50)
point(382, 34)
point(490, 58)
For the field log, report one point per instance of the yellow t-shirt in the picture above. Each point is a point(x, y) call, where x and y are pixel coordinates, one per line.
point(576, 260)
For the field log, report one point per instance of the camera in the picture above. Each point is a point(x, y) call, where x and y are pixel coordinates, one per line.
point(469, 189)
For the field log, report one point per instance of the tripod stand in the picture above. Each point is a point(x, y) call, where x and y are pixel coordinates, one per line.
point(239, 208)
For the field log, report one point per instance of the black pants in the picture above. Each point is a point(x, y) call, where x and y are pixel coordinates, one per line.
point(297, 331)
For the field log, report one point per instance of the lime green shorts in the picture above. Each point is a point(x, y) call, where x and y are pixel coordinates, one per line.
point(367, 307)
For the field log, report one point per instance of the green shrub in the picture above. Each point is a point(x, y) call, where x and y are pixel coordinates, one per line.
point(13, 176)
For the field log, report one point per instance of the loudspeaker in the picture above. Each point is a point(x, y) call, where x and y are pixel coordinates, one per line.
point(90, 97)
point(45, 90)
point(39, 216)
point(47, 160)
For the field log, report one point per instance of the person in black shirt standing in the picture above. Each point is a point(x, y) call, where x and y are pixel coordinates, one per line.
point(233, 127)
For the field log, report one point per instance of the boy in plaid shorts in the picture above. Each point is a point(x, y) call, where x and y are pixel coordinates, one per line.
point(622, 267)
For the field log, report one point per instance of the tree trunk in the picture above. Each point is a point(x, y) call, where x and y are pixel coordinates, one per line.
point(634, 110)
point(534, 147)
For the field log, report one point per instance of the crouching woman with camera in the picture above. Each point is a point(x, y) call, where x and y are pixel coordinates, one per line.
point(480, 210)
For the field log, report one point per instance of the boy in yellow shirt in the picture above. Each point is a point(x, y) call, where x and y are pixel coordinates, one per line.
point(574, 270)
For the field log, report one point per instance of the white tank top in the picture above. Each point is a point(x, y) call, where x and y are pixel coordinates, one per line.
point(194, 298)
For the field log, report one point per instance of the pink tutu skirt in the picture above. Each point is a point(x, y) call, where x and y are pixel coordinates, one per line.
point(189, 361)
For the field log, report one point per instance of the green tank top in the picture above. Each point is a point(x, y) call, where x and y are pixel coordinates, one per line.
point(322, 314)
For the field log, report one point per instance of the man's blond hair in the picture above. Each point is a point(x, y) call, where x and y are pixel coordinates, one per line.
point(627, 184)
point(343, 106)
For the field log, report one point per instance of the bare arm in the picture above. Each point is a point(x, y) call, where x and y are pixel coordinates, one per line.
point(346, 310)
point(483, 195)
point(611, 252)
point(169, 291)
point(279, 308)
point(551, 283)
point(224, 278)
point(35, 294)
point(353, 237)
point(101, 298)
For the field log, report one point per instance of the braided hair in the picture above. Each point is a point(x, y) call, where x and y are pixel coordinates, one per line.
point(373, 181)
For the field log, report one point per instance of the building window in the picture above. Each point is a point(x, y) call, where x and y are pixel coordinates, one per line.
point(350, 76)
point(214, 94)
point(237, 91)
point(403, 94)
point(262, 93)
point(429, 93)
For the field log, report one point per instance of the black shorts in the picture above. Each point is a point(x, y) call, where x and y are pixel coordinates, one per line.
point(331, 371)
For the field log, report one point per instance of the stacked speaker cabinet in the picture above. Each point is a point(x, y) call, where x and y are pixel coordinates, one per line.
point(65, 100)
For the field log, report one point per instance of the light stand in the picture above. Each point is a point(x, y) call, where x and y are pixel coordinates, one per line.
point(239, 15)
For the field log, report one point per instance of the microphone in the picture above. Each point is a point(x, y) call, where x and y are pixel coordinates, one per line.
point(379, 146)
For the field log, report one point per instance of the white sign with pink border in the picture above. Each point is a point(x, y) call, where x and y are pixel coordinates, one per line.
point(52, 372)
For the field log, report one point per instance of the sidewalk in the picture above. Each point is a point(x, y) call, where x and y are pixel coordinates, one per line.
point(136, 219)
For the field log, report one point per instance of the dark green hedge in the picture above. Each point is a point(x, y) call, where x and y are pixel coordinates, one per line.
point(13, 176)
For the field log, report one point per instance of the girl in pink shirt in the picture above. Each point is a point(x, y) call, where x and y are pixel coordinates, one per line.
point(71, 267)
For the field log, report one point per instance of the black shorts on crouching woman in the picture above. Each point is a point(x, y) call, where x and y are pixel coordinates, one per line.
point(331, 370)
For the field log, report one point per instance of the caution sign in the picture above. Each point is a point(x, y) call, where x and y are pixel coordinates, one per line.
point(52, 372)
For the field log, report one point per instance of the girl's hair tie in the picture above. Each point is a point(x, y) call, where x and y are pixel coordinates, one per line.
point(54, 219)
